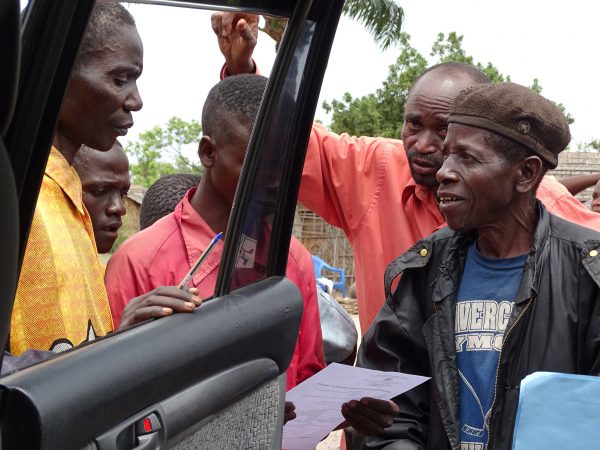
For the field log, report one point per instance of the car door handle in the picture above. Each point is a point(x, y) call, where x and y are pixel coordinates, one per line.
point(148, 432)
point(144, 431)
point(148, 442)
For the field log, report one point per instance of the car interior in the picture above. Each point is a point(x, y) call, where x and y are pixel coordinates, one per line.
point(211, 379)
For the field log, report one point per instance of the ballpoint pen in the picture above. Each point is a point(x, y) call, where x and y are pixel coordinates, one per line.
point(200, 260)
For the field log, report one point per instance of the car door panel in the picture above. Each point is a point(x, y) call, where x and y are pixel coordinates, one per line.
point(212, 413)
point(150, 363)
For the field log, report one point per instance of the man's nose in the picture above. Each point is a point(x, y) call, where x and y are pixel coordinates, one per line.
point(117, 206)
point(134, 102)
point(447, 172)
point(428, 142)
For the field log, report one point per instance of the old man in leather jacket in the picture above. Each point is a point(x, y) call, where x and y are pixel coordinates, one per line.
point(506, 290)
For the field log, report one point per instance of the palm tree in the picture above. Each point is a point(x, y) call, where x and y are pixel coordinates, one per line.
point(382, 18)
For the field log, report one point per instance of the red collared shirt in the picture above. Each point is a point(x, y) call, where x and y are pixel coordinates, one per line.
point(364, 186)
point(162, 254)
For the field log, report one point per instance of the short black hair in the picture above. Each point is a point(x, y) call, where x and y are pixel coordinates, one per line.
point(457, 68)
point(103, 20)
point(82, 157)
point(235, 97)
point(164, 195)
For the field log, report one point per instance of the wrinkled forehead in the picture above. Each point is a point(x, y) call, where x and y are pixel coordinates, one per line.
point(122, 45)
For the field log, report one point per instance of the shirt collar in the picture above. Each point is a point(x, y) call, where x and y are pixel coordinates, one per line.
point(424, 195)
point(63, 174)
point(421, 192)
point(197, 235)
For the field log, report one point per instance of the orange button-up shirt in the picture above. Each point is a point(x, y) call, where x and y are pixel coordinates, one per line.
point(162, 255)
point(364, 186)
point(61, 300)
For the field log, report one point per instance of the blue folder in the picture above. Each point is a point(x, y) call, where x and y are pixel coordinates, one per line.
point(558, 411)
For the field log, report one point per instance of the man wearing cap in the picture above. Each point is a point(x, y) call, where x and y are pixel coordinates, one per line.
point(507, 289)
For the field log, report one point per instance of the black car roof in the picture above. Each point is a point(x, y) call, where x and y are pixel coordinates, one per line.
point(270, 7)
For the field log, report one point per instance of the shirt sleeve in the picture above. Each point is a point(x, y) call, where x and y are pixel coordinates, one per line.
point(124, 281)
point(224, 73)
point(343, 174)
point(559, 201)
point(309, 348)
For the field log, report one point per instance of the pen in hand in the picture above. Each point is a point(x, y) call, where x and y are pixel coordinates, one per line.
point(200, 260)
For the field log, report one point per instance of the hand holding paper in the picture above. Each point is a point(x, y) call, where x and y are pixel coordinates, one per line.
point(319, 401)
point(369, 415)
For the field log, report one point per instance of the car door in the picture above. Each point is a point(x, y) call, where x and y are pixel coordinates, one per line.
point(211, 379)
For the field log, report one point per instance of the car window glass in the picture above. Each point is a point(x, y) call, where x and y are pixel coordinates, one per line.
point(255, 239)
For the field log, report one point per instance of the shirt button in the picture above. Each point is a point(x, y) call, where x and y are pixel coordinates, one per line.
point(424, 252)
point(594, 253)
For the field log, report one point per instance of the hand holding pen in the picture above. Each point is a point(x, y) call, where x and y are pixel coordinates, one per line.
point(166, 300)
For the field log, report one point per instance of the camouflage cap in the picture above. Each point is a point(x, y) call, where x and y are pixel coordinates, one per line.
point(516, 112)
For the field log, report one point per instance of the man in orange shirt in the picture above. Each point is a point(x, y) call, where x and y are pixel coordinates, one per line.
point(382, 192)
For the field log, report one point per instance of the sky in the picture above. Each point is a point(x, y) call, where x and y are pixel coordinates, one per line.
point(526, 39)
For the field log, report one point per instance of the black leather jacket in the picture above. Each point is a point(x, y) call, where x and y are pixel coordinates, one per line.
point(554, 326)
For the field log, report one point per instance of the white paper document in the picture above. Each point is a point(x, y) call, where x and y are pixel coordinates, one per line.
point(319, 400)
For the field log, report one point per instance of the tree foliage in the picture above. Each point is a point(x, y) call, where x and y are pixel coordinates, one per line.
point(382, 18)
point(591, 146)
point(161, 151)
point(382, 113)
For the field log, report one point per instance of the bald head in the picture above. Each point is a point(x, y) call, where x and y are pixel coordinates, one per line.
point(456, 70)
point(426, 116)
point(105, 182)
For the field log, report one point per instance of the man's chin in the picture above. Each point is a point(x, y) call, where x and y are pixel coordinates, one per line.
point(105, 245)
point(428, 181)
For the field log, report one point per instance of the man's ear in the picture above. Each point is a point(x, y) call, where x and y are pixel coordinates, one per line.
point(530, 174)
point(206, 151)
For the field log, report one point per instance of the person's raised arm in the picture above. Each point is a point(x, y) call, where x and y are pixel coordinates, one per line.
point(578, 183)
point(237, 35)
point(559, 201)
point(344, 175)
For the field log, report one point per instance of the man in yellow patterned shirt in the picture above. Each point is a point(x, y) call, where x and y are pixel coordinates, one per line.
point(61, 300)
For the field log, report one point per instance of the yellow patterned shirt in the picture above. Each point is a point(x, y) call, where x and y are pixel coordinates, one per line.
point(61, 300)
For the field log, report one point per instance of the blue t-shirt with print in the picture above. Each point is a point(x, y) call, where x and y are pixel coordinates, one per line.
point(484, 303)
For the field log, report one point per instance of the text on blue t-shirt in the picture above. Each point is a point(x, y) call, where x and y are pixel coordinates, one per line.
point(484, 303)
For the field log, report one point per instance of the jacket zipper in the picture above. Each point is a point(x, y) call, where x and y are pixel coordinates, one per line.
point(506, 335)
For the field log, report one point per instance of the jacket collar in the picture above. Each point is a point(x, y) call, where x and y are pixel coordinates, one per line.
point(451, 267)
point(537, 254)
